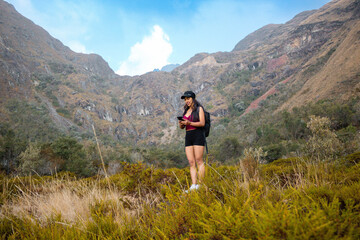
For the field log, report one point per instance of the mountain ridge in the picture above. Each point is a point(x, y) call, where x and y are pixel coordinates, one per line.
point(296, 62)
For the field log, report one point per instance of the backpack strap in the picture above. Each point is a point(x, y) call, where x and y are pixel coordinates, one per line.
point(207, 151)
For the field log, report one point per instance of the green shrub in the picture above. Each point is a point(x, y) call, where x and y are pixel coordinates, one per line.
point(165, 157)
point(282, 170)
point(323, 144)
point(228, 149)
point(61, 68)
point(340, 115)
point(295, 127)
point(267, 134)
point(30, 159)
point(138, 178)
point(351, 159)
point(10, 148)
point(274, 151)
point(64, 112)
point(74, 156)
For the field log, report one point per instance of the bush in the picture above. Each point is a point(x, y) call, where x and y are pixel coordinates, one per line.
point(274, 151)
point(64, 112)
point(250, 163)
point(340, 115)
point(30, 159)
point(62, 68)
point(281, 170)
point(323, 144)
point(10, 148)
point(351, 159)
point(295, 127)
point(267, 134)
point(74, 156)
point(229, 149)
point(137, 178)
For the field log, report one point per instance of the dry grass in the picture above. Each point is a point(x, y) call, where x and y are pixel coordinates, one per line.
point(74, 201)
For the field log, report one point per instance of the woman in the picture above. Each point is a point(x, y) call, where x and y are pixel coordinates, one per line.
point(193, 121)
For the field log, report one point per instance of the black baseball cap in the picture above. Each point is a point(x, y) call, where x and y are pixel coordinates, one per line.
point(188, 94)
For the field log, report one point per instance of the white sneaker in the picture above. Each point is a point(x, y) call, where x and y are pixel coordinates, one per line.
point(193, 187)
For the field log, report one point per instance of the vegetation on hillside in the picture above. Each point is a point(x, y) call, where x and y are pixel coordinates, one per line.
point(35, 146)
point(294, 198)
point(285, 133)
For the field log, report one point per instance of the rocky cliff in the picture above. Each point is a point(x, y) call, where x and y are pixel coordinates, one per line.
point(313, 56)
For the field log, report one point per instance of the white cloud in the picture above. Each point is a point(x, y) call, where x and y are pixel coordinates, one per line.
point(77, 47)
point(152, 52)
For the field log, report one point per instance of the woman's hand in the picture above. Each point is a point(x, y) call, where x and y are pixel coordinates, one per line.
point(185, 122)
point(182, 126)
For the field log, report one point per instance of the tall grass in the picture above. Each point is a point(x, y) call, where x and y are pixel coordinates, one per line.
point(294, 198)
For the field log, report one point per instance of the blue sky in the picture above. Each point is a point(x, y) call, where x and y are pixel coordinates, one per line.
point(137, 36)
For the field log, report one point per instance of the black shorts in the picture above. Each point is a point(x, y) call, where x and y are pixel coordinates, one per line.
point(195, 137)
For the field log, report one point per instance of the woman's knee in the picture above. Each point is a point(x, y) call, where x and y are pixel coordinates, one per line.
point(199, 161)
point(192, 162)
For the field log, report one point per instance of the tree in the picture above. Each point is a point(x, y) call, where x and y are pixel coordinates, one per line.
point(30, 159)
point(294, 126)
point(74, 156)
point(267, 134)
point(10, 148)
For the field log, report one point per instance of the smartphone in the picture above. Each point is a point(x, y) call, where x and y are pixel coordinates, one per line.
point(180, 118)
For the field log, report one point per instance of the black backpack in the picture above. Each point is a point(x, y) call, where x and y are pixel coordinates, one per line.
point(207, 130)
point(207, 123)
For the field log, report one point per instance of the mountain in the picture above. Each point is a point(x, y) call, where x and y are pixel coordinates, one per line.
point(314, 56)
point(169, 67)
point(319, 47)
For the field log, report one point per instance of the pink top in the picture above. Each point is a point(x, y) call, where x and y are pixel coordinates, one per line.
point(188, 127)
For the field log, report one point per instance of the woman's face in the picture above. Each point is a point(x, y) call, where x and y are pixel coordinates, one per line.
point(189, 101)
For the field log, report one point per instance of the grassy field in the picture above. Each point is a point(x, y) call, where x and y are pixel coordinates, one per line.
point(293, 198)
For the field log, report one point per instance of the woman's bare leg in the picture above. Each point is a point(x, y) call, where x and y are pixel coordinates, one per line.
point(190, 154)
point(199, 152)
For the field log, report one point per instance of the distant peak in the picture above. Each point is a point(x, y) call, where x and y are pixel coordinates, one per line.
point(167, 68)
